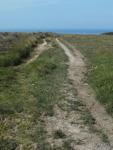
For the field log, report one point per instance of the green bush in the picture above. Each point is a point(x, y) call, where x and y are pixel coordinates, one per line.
point(14, 57)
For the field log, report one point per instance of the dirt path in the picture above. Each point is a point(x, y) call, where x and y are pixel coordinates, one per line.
point(77, 68)
point(38, 50)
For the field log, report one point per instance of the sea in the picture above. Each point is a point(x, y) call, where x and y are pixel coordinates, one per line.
point(62, 31)
point(83, 31)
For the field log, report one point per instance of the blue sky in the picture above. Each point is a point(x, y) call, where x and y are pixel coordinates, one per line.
point(56, 14)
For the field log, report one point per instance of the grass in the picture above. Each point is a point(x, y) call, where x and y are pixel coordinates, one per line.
point(88, 119)
point(9, 89)
point(7, 143)
point(99, 53)
point(67, 145)
point(105, 138)
point(14, 49)
point(59, 134)
point(28, 94)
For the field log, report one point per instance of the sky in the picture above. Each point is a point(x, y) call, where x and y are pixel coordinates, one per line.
point(56, 14)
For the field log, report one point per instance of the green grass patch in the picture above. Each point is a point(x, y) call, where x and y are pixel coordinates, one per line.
point(9, 91)
point(28, 94)
point(17, 47)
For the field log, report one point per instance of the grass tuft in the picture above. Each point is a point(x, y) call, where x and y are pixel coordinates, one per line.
point(59, 134)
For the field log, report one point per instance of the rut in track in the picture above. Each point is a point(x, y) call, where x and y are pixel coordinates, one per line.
point(77, 69)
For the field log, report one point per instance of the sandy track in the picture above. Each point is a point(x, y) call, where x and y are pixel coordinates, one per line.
point(77, 68)
point(38, 50)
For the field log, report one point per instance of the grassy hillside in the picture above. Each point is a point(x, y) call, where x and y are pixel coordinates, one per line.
point(28, 94)
point(99, 52)
point(14, 47)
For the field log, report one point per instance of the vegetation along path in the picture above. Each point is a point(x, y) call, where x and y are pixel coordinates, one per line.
point(38, 50)
point(46, 105)
point(77, 69)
